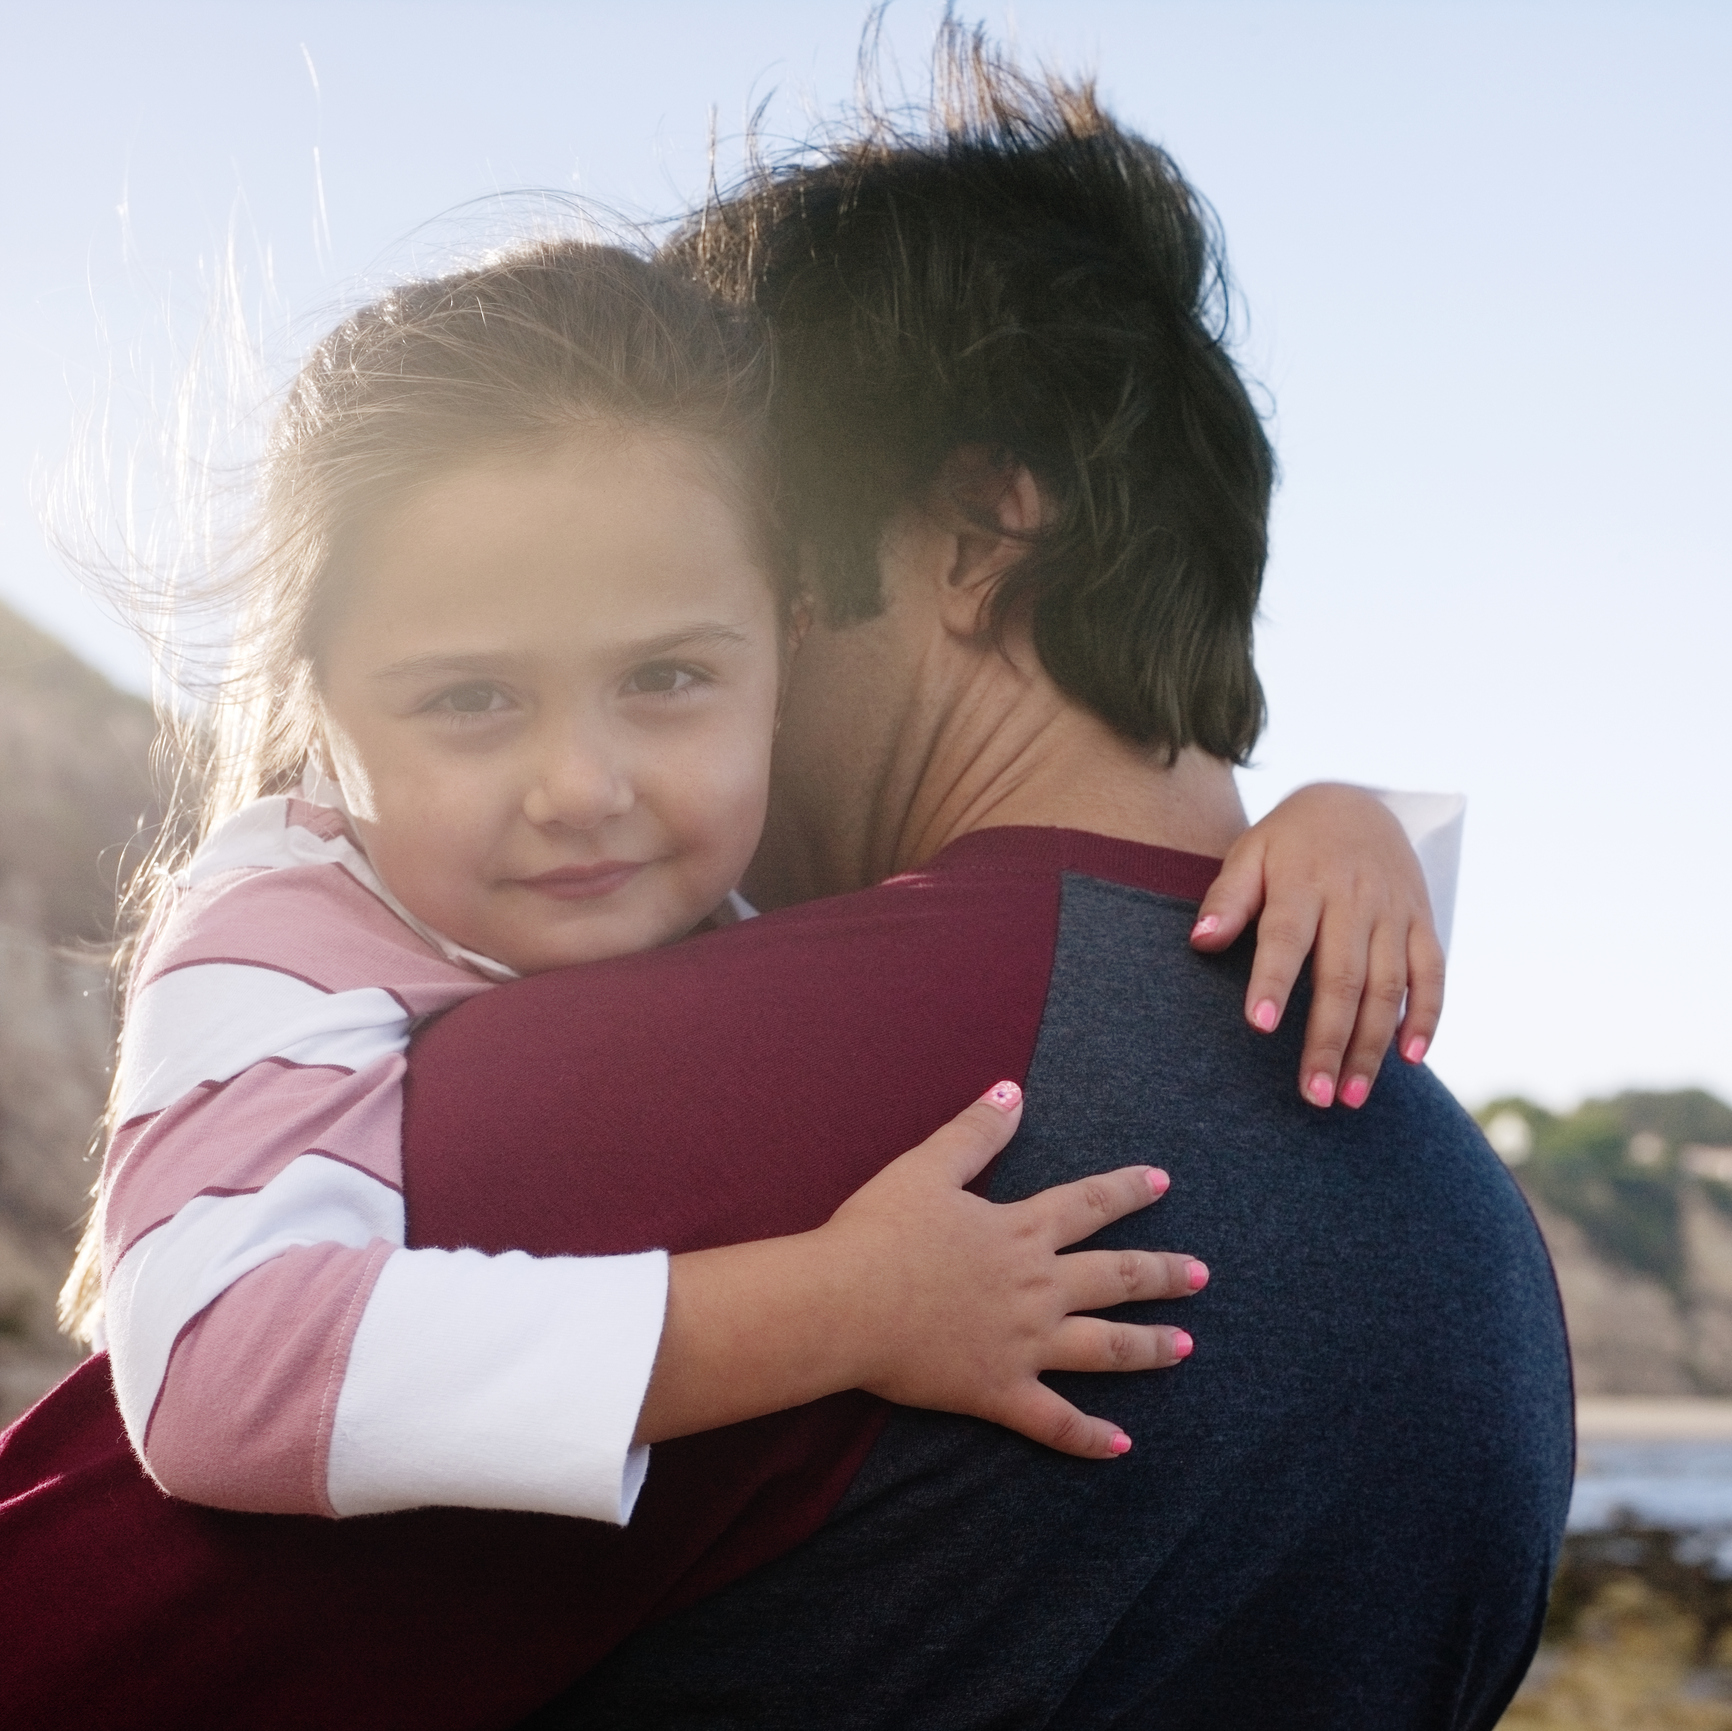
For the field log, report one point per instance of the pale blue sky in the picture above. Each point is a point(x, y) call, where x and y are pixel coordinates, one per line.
point(1483, 254)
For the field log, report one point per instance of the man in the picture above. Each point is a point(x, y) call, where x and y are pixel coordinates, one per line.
point(1034, 495)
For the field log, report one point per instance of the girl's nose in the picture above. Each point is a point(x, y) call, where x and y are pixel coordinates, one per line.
point(577, 786)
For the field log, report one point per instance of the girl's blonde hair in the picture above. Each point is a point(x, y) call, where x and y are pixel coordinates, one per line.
point(542, 343)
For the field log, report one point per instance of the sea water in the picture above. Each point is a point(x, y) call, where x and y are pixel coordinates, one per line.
point(1683, 1487)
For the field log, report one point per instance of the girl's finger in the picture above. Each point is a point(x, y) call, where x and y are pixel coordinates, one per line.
point(1337, 985)
point(1379, 1009)
point(1425, 974)
point(1285, 935)
point(1069, 1212)
point(1045, 1416)
point(1099, 1279)
point(959, 1151)
point(1234, 898)
point(1092, 1344)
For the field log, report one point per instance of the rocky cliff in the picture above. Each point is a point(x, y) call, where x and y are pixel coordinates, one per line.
point(1634, 1195)
point(73, 791)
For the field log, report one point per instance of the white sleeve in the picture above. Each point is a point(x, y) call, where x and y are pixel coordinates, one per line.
point(1433, 822)
point(499, 1382)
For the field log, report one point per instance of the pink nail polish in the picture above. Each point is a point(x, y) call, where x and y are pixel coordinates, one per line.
point(1355, 1091)
point(1265, 1016)
point(1197, 1273)
point(1158, 1181)
point(1321, 1092)
point(1207, 926)
point(1182, 1344)
point(1414, 1050)
point(1121, 1444)
point(1006, 1096)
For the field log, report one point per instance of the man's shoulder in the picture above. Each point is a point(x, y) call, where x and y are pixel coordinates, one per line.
point(1130, 1000)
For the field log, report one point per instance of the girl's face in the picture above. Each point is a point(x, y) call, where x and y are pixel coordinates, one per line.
point(549, 692)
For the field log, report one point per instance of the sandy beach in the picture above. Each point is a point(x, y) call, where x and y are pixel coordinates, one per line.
point(1638, 1418)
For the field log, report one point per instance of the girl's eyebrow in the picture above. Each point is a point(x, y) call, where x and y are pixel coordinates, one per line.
point(708, 635)
point(422, 666)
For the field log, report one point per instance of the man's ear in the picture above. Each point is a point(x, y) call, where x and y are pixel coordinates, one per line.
point(998, 512)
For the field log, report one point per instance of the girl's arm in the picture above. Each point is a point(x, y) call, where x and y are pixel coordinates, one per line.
point(1335, 878)
point(926, 1294)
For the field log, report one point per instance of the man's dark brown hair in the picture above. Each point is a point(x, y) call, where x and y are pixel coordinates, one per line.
point(1019, 276)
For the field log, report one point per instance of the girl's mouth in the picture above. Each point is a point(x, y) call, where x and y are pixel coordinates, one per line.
point(583, 883)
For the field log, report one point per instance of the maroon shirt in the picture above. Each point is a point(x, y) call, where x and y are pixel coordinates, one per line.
point(735, 1087)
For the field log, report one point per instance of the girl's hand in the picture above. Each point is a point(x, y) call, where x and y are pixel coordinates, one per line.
point(1333, 874)
point(926, 1294)
point(972, 1300)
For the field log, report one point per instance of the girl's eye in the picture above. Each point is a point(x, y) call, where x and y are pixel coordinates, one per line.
point(662, 678)
point(476, 699)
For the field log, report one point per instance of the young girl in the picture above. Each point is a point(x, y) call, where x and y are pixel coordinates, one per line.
point(506, 687)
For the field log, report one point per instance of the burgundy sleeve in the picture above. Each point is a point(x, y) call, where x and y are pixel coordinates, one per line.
point(734, 1087)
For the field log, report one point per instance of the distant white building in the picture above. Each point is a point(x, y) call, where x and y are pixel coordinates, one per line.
point(1511, 1137)
point(1703, 1162)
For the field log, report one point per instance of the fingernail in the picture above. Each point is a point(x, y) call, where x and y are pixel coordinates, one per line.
point(1321, 1090)
point(1121, 1444)
point(1158, 1181)
point(1414, 1050)
point(1354, 1091)
point(1006, 1096)
point(1197, 1273)
point(1266, 1015)
point(1207, 925)
point(1182, 1344)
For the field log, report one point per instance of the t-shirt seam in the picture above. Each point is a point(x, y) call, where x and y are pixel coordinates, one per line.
point(1140, 890)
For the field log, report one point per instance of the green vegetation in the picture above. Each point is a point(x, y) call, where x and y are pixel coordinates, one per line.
point(1615, 1167)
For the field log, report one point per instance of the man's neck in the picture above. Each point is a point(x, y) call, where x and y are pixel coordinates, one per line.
point(1046, 762)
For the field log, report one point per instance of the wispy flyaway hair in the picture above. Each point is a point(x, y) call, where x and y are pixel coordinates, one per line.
point(1017, 276)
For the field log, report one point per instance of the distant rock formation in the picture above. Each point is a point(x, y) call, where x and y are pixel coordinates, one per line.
point(74, 788)
point(1634, 1196)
